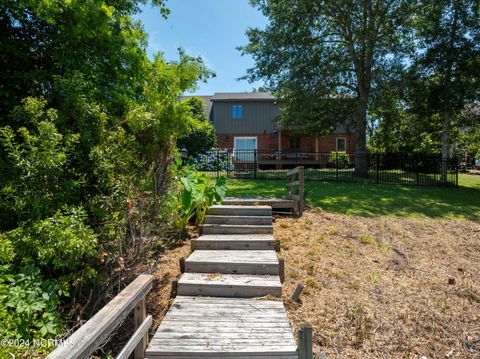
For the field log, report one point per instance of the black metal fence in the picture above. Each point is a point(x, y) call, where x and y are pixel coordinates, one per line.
point(405, 169)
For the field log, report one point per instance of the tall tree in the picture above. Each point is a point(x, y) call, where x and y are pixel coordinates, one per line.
point(314, 52)
point(446, 70)
point(201, 134)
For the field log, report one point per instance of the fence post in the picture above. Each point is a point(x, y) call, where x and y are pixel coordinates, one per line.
point(229, 158)
point(301, 188)
point(255, 164)
point(417, 167)
point(378, 168)
point(336, 165)
point(456, 171)
point(305, 341)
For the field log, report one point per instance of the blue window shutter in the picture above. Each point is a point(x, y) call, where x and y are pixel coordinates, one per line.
point(239, 112)
point(234, 112)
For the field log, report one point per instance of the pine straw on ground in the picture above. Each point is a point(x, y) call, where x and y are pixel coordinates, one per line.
point(167, 270)
point(384, 287)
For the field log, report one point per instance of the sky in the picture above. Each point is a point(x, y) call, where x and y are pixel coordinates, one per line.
point(211, 29)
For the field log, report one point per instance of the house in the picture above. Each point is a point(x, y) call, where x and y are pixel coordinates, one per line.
point(247, 121)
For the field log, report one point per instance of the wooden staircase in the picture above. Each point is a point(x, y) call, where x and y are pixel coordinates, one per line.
point(217, 312)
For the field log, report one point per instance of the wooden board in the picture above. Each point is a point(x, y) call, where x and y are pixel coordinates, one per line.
point(233, 262)
point(216, 219)
point(229, 285)
point(235, 241)
point(272, 202)
point(236, 229)
point(240, 210)
point(201, 327)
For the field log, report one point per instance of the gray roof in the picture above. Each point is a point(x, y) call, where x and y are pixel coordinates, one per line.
point(231, 96)
point(244, 96)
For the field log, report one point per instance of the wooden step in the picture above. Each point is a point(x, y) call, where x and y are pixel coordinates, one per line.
point(272, 202)
point(240, 210)
point(222, 219)
point(236, 229)
point(233, 262)
point(212, 327)
point(235, 241)
point(229, 285)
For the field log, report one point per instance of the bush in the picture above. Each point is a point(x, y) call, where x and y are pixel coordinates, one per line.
point(62, 243)
point(212, 160)
point(338, 159)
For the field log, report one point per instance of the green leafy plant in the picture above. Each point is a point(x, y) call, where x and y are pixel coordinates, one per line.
point(198, 193)
point(28, 305)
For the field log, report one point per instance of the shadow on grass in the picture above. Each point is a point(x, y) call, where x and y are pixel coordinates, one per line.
point(374, 200)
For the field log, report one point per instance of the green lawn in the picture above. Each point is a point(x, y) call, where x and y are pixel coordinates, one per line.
point(376, 200)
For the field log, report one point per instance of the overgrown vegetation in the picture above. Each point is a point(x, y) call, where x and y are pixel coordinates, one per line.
point(87, 154)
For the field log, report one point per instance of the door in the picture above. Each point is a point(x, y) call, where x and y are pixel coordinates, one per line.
point(245, 148)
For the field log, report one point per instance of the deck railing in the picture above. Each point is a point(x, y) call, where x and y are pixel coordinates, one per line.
point(95, 331)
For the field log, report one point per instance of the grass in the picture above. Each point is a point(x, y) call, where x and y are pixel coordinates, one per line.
point(376, 200)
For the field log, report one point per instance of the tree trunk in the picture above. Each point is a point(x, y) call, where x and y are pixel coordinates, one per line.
point(361, 168)
point(445, 148)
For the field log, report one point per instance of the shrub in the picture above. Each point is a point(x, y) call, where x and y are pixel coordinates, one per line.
point(62, 242)
point(338, 159)
point(212, 160)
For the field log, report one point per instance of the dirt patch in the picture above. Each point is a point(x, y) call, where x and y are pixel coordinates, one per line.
point(384, 287)
point(167, 270)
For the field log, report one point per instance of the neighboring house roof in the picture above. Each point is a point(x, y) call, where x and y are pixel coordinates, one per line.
point(243, 96)
point(231, 96)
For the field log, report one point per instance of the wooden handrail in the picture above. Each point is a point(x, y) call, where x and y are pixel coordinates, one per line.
point(296, 179)
point(93, 333)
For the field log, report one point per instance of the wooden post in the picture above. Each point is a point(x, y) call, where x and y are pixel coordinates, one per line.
point(298, 292)
point(281, 269)
point(139, 315)
point(277, 245)
point(181, 262)
point(192, 245)
point(305, 342)
point(173, 292)
point(301, 189)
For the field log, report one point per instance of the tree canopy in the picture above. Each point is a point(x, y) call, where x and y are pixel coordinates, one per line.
point(201, 135)
point(326, 58)
point(405, 71)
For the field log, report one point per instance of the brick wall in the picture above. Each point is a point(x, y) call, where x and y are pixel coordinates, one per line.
point(269, 142)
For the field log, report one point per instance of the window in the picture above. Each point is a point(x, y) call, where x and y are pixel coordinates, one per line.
point(341, 144)
point(295, 143)
point(237, 112)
